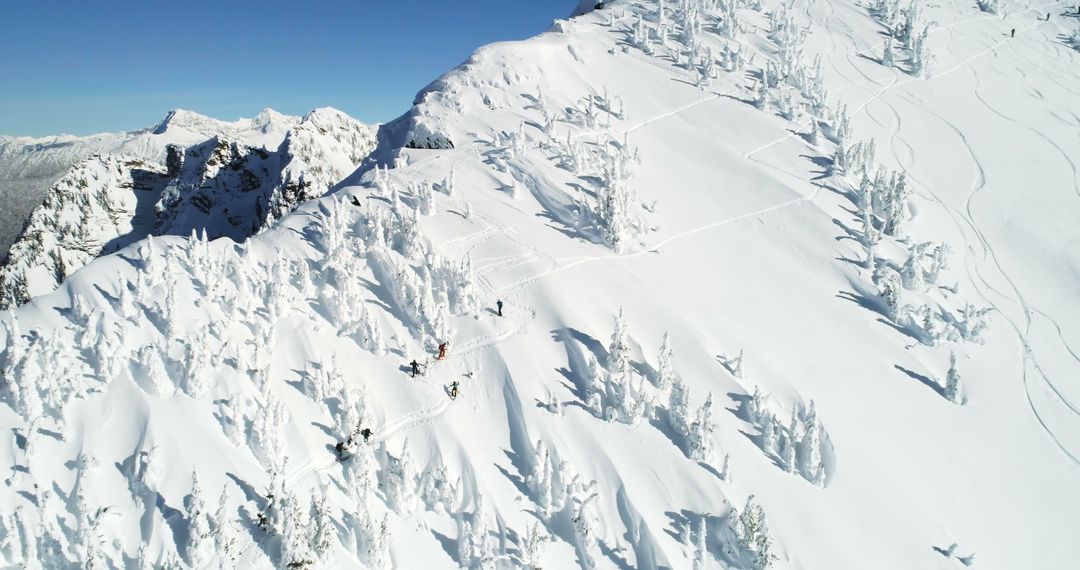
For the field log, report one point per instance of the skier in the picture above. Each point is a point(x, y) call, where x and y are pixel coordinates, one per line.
point(366, 433)
point(442, 351)
point(1013, 33)
point(453, 390)
point(415, 368)
point(499, 304)
point(356, 202)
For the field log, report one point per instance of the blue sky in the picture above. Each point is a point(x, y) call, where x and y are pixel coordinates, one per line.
point(82, 67)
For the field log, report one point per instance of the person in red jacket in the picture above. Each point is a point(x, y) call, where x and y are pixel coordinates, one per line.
point(442, 351)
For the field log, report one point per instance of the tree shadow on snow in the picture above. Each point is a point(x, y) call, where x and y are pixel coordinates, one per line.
point(683, 525)
point(825, 164)
point(874, 305)
point(576, 369)
point(449, 545)
point(925, 380)
point(850, 234)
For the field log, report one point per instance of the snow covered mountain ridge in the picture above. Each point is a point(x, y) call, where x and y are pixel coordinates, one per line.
point(245, 176)
point(716, 284)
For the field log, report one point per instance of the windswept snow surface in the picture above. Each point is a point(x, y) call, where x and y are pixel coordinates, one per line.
point(595, 168)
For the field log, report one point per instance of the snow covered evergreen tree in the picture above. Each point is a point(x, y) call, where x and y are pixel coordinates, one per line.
point(200, 542)
point(952, 382)
point(665, 361)
point(751, 543)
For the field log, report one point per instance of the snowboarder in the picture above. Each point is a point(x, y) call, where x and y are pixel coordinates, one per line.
point(499, 304)
point(453, 390)
point(366, 432)
point(356, 202)
point(442, 351)
point(415, 368)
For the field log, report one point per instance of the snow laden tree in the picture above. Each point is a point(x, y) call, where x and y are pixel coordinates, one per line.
point(532, 547)
point(665, 375)
point(323, 535)
point(953, 389)
point(225, 531)
point(475, 548)
point(439, 493)
point(679, 412)
point(618, 207)
point(748, 540)
point(700, 545)
point(200, 542)
point(700, 441)
point(564, 500)
point(296, 552)
point(920, 54)
point(624, 399)
point(799, 447)
point(400, 481)
point(887, 57)
point(692, 429)
point(810, 446)
point(267, 438)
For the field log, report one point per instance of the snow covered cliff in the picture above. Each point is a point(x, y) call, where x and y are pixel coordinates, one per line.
point(721, 284)
point(29, 166)
point(238, 181)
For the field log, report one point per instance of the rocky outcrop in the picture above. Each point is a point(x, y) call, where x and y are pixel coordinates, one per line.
point(223, 186)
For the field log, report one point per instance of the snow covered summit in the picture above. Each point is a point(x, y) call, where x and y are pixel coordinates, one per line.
point(719, 284)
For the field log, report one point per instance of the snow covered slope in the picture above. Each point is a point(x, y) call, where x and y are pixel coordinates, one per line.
point(229, 185)
point(766, 301)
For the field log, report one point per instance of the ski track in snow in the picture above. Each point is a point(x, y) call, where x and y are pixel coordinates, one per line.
point(1027, 352)
point(977, 184)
